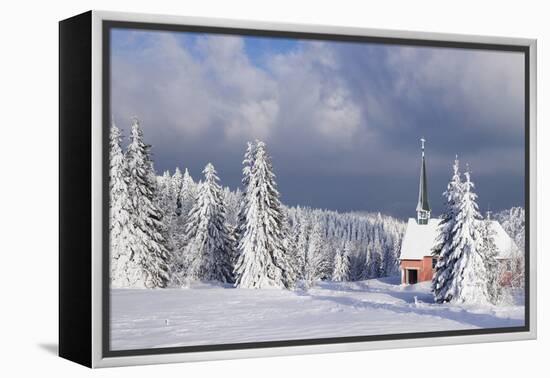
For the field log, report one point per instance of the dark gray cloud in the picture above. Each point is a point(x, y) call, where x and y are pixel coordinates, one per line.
point(341, 120)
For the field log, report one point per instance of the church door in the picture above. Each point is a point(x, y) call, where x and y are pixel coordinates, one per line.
point(413, 276)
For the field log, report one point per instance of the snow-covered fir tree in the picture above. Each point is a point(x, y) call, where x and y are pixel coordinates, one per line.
point(358, 261)
point(263, 261)
point(209, 243)
point(248, 164)
point(302, 231)
point(149, 249)
point(444, 248)
point(186, 199)
point(163, 183)
point(490, 252)
point(468, 281)
point(120, 222)
point(290, 245)
point(176, 184)
point(188, 194)
point(373, 267)
point(297, 235)
point(390, 258)
point(298, 232)
point(232, 202)
point(318, 264)
point(341, 264)
point(164, 198)
point(172, 198)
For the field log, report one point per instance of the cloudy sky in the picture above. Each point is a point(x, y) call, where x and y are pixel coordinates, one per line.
point(341, 120)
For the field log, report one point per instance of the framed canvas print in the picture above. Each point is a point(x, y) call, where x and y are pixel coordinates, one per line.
point(234, 189)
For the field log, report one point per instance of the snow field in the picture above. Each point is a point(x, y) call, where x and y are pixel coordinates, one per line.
point(209, 313)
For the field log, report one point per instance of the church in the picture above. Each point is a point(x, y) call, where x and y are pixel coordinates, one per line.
point(416, 261)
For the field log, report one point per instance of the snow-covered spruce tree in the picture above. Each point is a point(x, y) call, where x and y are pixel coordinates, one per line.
point(232, 203)
point(298, 235)
point(248, 164)
point(375, 259)
point(176, 184)
point(357, 255)
point(374, 262)
point(237, 230)
point(341, 264)
point(490, 253)
point(263, 261)
point(149, 244)
point(120, 223)
point(164, 199)
point(444, 245)
point(210, 246)
point(317, 263)
point(390, 258)
point(187, 199)
point(168, 200)
point(468, 281)
point(188, 194)
point(162, 183)
point(302, 243)
point(290, 246)
point(173, 219)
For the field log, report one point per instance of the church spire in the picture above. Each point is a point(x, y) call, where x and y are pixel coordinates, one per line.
point(423, 207)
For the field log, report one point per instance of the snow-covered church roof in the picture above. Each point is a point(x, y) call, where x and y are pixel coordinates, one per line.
point(420, 238)
point(505, 244)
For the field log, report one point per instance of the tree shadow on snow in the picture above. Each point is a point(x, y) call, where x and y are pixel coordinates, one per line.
point(456, 314)
point(408, 293)
point(348, 286)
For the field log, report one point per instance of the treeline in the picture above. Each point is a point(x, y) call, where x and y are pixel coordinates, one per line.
point(345, 247)
point(168, 230)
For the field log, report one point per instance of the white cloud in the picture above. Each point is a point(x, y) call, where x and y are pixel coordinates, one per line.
point(254, 119)
point(189, 94)
point(487, 86)
point(217, 90)
point(313, 95)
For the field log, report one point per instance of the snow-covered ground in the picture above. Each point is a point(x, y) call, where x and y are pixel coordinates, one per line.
point(213, 314)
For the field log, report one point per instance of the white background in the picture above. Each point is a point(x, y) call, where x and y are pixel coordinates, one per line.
point(28, 184)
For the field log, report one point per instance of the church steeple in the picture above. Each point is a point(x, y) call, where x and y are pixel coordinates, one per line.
point(423, 207)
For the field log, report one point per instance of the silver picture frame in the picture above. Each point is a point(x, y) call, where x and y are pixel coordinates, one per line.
point(99, 358)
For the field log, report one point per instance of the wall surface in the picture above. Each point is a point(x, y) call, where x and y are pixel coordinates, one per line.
point(28, 283)
point(424, 267)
